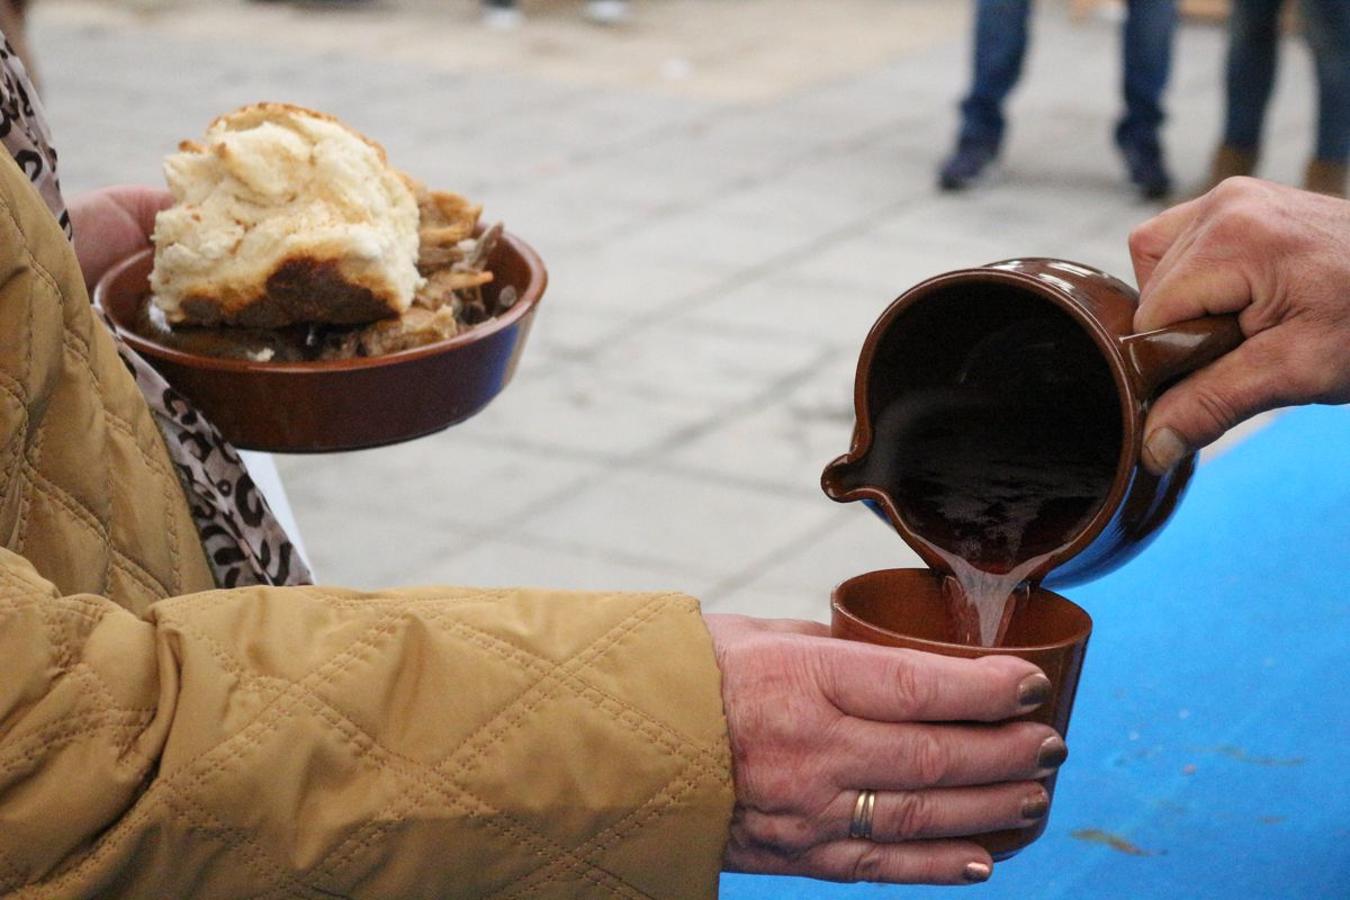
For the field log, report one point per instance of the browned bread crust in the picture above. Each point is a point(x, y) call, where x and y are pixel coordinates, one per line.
point(301, 290)
point(286, 216)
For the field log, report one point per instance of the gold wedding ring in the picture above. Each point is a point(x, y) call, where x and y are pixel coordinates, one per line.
point(860, 826)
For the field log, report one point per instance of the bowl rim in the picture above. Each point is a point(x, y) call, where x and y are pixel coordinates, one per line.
point(530, 295)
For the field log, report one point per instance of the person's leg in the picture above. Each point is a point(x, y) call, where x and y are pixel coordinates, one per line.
point(1000, 46)
point(1146, 61)
point(1000, 43)
point(1327, 24)
point(1253, 50)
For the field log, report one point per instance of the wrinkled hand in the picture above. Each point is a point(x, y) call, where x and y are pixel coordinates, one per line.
point(813, 720)
point(1278, 257)
point(112, 223)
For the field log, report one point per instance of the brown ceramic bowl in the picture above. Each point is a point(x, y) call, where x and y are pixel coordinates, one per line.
point(905, 608)
point(314, 407)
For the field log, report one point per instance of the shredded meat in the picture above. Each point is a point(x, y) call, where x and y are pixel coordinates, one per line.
point(415, 328)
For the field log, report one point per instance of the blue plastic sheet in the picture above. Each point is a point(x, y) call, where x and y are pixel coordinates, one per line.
point(1211, 736)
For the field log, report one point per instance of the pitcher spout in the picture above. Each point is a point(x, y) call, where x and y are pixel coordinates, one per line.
point(842, 478)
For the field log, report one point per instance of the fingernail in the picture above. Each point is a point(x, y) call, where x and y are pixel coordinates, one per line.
point(1036, 806)
point(976, 872)
point(1163, 450)
point(1053, 752)
point(1034, 690)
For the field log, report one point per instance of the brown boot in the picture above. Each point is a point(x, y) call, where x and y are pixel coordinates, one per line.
point(1229, 162)
point(1325, 177)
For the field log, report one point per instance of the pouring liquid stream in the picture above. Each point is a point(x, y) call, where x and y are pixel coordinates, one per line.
point(1002, 523)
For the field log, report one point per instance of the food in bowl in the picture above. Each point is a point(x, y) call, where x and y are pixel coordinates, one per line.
point(291, 238)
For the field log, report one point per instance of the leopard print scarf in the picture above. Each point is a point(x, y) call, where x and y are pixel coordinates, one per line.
point(243, 541)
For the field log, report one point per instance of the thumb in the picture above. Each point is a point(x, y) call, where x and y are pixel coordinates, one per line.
point(1198, 410)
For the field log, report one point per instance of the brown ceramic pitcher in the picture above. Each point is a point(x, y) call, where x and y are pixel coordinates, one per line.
point(1026, 332)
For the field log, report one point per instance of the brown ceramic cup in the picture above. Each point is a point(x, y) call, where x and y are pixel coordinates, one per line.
point(905, 608)
point(1029, 326)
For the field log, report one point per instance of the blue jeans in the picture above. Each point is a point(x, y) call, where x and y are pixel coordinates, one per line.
point(1001, 43)
point(1255, 37)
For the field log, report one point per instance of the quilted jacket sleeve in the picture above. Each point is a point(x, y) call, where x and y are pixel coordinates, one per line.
point(304, 742)
point(160, 739)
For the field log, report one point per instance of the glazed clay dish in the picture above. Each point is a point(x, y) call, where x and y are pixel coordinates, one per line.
point(307, 296)
point(350, 404)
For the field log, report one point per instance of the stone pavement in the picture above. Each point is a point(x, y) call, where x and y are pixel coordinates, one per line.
point(727, 193)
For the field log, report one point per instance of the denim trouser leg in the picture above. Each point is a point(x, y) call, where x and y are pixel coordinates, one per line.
point(1000, 45)
point(1328, 28)
point(1146, 62)
point(1253, 49)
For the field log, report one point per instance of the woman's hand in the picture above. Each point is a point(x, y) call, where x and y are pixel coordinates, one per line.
point(112, 223)
point(815, 720)
point(1278, 257)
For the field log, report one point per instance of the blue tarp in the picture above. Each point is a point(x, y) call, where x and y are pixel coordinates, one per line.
point(1212, 729)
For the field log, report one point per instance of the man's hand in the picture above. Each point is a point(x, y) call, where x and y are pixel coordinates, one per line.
point(111, 224)
point(814, 720)
point(1278, 257)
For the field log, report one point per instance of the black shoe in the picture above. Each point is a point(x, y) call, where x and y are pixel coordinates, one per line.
point(965, 166)
point(1148, 172)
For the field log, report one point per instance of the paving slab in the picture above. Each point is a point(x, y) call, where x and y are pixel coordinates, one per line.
point(502, 562)
point(695, 524)
point(851, 541)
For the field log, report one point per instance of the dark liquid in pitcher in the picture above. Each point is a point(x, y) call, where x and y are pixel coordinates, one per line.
point(1005, 464)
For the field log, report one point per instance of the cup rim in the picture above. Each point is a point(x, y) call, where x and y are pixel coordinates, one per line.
point(1079, 635)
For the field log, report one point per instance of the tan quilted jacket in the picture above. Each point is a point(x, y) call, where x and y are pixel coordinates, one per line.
point(162, 739)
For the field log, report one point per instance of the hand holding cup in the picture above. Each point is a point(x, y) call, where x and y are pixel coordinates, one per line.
point(815, 721)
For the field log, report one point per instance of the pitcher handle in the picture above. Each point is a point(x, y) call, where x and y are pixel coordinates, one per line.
point(1158, 357)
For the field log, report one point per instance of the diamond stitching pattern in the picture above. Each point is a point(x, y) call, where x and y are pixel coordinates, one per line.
point(556, 677)
point(448, 788)
point(92, 361)
point(340, 855)
point(176, 785)
point(705, 759)
point(178, 791)
point(81, 515)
